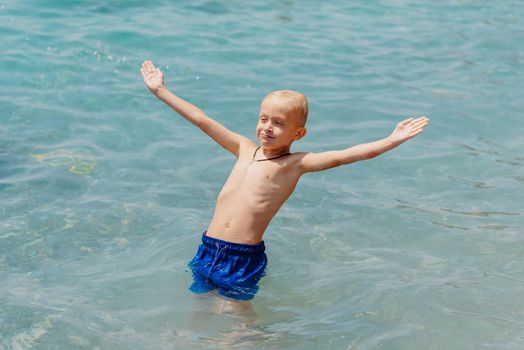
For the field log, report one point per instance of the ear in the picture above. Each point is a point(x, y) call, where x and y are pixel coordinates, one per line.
point(300, 133)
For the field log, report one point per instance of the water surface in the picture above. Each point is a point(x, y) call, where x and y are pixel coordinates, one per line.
point(104, 191)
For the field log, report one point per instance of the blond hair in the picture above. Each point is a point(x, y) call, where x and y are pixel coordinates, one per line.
point(297, 103)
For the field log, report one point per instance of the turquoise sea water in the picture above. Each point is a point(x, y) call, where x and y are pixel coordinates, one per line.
point(104, 191)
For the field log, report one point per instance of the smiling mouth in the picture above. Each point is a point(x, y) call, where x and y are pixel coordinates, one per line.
point(269, 137)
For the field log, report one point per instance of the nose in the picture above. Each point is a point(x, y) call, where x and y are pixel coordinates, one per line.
point(268, 127)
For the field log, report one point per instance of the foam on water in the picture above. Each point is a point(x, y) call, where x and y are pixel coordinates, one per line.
point(104, 191)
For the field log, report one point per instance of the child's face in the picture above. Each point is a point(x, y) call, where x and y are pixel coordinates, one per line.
point(277, 127)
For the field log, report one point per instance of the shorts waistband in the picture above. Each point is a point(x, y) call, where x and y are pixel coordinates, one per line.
point(212, 242)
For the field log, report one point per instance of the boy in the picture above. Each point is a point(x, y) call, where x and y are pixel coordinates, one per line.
point(231, 257)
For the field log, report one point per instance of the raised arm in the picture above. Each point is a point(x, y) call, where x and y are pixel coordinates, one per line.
point(154, 80)
point(404, 131)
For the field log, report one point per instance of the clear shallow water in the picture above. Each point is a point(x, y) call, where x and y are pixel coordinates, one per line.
point(104, 192)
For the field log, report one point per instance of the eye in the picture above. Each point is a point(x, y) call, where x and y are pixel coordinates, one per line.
point(278, 122)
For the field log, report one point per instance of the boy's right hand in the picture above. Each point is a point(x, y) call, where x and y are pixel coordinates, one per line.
point(153, 77)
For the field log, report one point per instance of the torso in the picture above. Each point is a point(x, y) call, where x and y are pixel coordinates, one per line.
point(251, 196)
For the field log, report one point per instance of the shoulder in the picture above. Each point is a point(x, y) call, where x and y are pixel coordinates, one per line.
point(311, 162)
point(299, 156)
point(247, 147)
point(295, 161)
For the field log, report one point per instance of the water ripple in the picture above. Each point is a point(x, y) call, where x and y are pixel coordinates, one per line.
point(105, 191)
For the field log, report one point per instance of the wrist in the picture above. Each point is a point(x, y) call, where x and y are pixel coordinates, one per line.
point(160, 90)
point(391, 142)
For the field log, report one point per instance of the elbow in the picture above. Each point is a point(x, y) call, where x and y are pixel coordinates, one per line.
point(372, 154)
point(201, 121)
point(346, 161)
point(339, 162)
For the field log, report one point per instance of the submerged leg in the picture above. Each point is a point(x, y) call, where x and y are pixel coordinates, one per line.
point(236, 308)
point(200, 311)
point(241, 319)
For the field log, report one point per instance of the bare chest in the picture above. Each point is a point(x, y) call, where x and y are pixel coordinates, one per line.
point(261, 181)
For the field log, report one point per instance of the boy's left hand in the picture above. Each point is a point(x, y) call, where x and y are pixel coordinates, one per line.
point(408, 129)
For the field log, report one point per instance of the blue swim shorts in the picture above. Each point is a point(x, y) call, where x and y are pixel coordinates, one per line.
point(232, 268)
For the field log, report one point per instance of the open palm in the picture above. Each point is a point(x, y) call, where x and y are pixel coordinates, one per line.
point(408, 129)
point(153, 77)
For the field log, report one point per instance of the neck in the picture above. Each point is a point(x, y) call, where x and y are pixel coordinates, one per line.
point(266, 157)
point(268, 153)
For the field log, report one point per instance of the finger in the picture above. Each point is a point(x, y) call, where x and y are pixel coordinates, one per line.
point(145, 67)
point(418, 122)
point(419, 119)
point(150, 65)
point(413, 134)
point(417, 128)
point(425, 119)
point(406, 121)
point(145, 74)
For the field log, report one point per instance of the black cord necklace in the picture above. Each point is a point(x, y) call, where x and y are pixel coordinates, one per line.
point(261, 160)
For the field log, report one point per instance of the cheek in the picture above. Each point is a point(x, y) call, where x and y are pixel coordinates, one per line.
point(289, 131)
